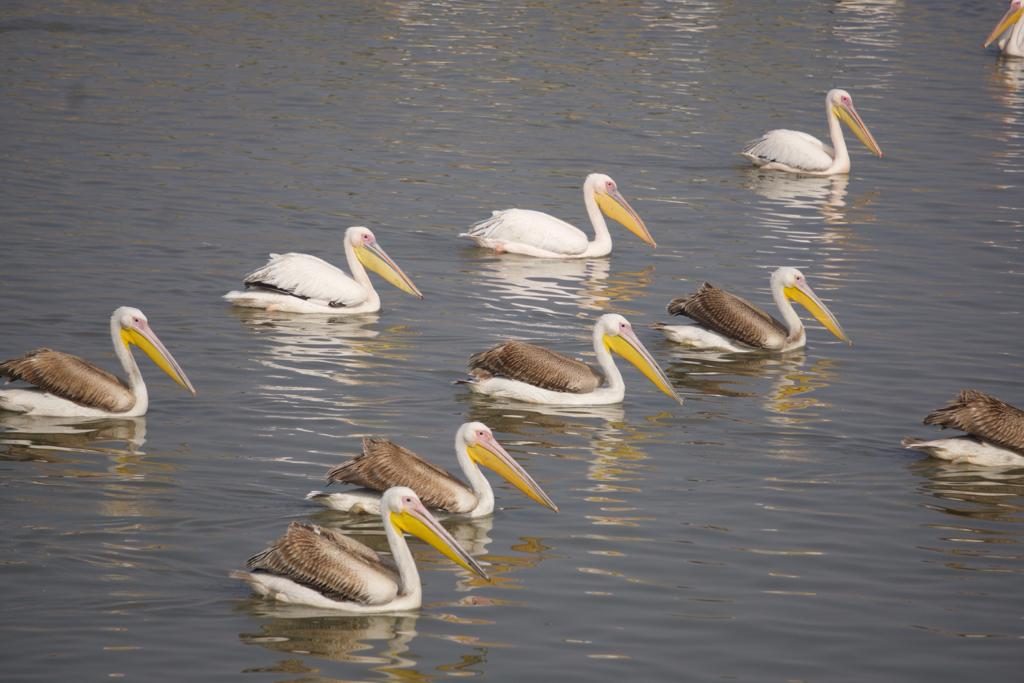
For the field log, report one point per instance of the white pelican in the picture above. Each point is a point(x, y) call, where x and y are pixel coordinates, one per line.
point(533, 233)
point(533, 374)
point(995, 431)
point(322, 567)
point(797, 152)
point(1012, 44)
point(725, 322)
point(301, 283)
point(68, 386)
point(384, 464)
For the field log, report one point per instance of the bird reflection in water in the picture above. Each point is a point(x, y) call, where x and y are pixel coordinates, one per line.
point(970, 498)
point(791, 380)
point(43, 438)
point(379, 641)
point(352, 351)
point(69, 446)
point(556, 286)
point(824, 196)
point(1007, 78)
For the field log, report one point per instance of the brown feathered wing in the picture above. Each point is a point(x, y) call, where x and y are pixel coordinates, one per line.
point(324, 560)
point(71, 378)
point(984, 417)
point(730, 316)
point(384, 464)
point(537, 366)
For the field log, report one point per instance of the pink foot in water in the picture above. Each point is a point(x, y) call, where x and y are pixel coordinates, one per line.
point(499, 248)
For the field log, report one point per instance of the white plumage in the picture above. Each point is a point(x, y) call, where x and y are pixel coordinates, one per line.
point(533, 233)
point(794, 151)
point(302, 283)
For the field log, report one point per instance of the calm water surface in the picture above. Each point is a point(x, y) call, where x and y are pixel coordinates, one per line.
point(770, 529)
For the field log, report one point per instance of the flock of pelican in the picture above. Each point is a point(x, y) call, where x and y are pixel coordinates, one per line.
point(322, 567)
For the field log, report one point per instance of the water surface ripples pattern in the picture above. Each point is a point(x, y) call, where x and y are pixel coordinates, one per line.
point(769, 529)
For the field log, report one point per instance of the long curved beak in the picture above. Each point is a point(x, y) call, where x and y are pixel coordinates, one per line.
point(805, 296)
point(1011, 17)
point(145, 338)
point(421, 524)
point(629, 347)
point(848, 115)
point(376, 259)
point(489, 453)
point(615, 206)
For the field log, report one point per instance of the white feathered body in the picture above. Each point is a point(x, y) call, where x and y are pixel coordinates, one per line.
point(531, 233)
point(967, 449)
point(793, 151)
point(303, 283)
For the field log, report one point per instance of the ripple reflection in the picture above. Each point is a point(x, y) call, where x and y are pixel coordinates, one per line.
point(976, 503)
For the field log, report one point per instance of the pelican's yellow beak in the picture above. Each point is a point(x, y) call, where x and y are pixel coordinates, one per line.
point(629, 347)
point(1011, 17)
point(146, 339)
point(420, 523)
point(376, 259)
point(615, 206)
point(489, 453)
point(805, 296)
point(848, 115)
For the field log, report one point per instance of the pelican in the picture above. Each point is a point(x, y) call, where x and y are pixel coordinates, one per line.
point(322, 567)
point(995, 431)
point(532, 233)
point(725, 322)
point(1012, 45)
point(533, 374)
point(796, 152)
point(384, 464)
point(68, 386)
point(301, 283)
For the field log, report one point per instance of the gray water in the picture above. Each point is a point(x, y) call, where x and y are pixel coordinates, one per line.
point(770, 529)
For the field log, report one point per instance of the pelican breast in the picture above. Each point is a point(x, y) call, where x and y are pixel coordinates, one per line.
point(536, 366)
point(329, 562)
point(730, 316)
point(983, 417)
point(307, 277)
point(72, 378)
point(384, 464)
point(793, 148)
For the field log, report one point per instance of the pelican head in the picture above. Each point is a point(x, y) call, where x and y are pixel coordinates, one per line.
point(485, 450)
point(371, 255)
point(618, 336)
point(841, 104)
point(135, 330)
point(615, 206)
point(794, 286)
point(402, 508)
point(1012, 16)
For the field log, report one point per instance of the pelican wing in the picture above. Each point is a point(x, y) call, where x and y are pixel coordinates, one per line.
point(537, 229)
point(329, 562)
point(790, 147)
point(307, 277)
point(730, 316)
point(384, 464)
point(71, 378)
point(536, 366)
point(983, 417)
